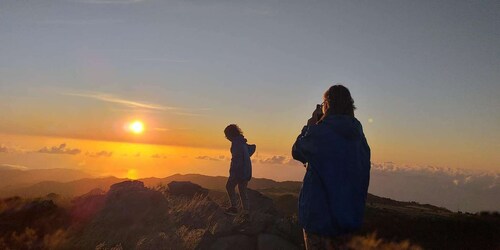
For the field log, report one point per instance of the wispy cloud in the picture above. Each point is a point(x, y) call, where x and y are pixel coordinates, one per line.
point(164, 60)
point(170, 129)
point(12, 167)
point(138, 105)
point(81, 21)
point(113, 99)
point(109, 1)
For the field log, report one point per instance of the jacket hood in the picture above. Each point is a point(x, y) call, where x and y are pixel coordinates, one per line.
point(238, 138)
point(344, 125)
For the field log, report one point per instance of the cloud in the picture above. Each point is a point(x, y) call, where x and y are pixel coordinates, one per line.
point(159, 156)
point(169, 129)
point(110, 1)
point(81, 21)
point(208, 158)
point(61, 149)
point(12, 167)
point(165, 60)
point(11, 149)
point(139, 104)
point(276, 159)
point(454, 188)
point(113, 99)
point(100, 154)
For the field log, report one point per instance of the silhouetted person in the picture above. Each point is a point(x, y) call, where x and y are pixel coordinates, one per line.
point(240, 171)
point(336, 155)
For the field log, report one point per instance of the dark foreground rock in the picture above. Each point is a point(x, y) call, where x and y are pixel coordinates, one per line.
point(182, 216)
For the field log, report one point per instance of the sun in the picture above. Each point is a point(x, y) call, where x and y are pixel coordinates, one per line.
point(137, 127)
point(132, 174)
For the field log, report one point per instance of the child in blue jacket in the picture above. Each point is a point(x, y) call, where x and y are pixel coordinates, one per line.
point(240, 171)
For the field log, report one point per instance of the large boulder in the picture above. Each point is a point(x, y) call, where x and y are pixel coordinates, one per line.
point(186, 189)
point(130, 212)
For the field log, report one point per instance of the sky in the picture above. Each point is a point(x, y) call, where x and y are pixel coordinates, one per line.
point(425, 77)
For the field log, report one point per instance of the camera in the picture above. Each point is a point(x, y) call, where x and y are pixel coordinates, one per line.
point(319, 111)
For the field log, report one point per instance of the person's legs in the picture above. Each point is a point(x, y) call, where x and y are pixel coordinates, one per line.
point(242, 187)
point(230, 185)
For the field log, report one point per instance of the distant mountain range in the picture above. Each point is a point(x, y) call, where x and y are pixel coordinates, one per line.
point(13, 178)
point(40, 187)
point(455, 191)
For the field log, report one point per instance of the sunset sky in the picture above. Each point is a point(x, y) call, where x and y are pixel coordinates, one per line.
point(425, 77)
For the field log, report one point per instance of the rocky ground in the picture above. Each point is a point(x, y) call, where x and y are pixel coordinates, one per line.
point(184, 215)
point(180, 215)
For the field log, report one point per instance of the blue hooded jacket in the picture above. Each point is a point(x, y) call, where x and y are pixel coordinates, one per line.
point(333, 194)
point(241, 165)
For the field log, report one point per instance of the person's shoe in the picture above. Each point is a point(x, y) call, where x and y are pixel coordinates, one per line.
point(231, 211)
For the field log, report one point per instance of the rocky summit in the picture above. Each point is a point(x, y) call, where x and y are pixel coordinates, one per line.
point(179, 216)
point(184, 215)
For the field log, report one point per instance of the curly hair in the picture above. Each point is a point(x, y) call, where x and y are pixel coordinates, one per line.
point(232, 130)
point(339, 101)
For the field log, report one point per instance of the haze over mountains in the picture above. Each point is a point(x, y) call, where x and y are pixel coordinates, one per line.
point(454, 190)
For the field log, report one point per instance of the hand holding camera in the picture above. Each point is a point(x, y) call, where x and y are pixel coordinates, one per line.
point(316, 115)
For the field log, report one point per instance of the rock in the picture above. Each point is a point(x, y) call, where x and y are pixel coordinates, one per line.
point(257, 223)
point(201, 212)
point(126, 186)
point(53, 196)
point(130, 212)
point(260, 203)
point(273, 242)
point(194, 238)
point(159, 241)
point(288, 229)
point(129, 199)
point(186, 188)
point(239, 242)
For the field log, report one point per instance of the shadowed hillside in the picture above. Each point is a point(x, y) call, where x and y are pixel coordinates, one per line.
point(15, 178)
point(183, 215)
point(82, 186)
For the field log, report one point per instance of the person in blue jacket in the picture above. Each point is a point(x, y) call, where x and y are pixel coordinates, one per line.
point(240, 171)
point(334, 150)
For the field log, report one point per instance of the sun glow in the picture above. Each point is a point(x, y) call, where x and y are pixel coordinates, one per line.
point(132, 174)
point(136, 127)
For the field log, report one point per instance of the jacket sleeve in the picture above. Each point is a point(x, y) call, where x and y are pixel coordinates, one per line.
point(251, 149)
point(303, 147)
point(237, 158)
